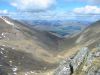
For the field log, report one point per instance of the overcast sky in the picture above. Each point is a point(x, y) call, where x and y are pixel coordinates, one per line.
point(51, 9)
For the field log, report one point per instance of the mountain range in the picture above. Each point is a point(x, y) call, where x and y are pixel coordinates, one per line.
point(37, 50)
point(62, 28)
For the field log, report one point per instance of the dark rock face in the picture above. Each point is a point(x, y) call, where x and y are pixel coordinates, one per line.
point(64, 68)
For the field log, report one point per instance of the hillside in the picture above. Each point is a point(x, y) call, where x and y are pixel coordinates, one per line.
point(90, 36)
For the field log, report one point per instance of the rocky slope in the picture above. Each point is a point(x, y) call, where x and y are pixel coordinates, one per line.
point(85, 62)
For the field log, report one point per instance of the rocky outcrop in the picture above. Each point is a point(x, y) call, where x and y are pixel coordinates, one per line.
point(79, 58)
point(68, 66)
point(85, 62)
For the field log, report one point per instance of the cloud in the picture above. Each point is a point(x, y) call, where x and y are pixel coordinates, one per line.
point(33, 4)
point(52, 15)
point(87, 10)
point(88, 13)
point(14, 4)
point(3, 12)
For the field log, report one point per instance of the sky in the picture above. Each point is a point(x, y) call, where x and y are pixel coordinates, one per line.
point(51, 9)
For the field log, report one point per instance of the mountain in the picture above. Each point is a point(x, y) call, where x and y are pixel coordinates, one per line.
point(24, 49)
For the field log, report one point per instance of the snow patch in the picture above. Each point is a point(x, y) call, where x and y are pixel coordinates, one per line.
point(8, 22)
